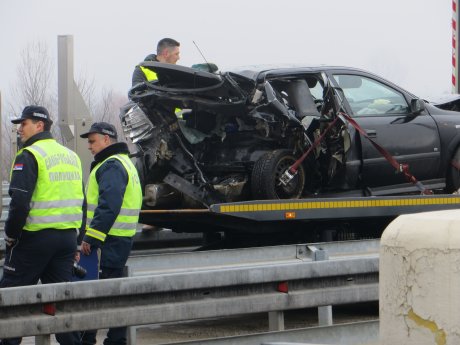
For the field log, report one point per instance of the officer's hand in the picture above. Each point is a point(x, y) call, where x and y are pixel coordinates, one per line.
point(85, 248)
point(10, 241)
point(77, 256)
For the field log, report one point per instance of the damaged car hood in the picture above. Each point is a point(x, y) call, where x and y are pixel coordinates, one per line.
point(185, 87)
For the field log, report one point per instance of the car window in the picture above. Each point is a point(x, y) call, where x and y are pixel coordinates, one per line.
point(316, 88)
point(370, 97)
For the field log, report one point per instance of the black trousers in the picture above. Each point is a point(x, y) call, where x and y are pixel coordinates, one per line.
point(45, 255)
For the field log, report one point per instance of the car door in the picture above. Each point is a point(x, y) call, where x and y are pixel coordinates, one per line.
point(383, 112)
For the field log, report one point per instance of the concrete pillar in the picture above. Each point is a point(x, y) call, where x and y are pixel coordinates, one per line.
point(43, 339)
point(419, 283)
point(325, 316)
point(275, 321)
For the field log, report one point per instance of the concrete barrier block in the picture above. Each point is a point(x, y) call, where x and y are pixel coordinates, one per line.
point(419, 285)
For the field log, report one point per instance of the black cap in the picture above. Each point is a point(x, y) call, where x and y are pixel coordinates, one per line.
point(101, 128)
point(34, 112)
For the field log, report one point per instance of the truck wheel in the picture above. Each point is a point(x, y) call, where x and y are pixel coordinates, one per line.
point(453, 173)
point(265, 177)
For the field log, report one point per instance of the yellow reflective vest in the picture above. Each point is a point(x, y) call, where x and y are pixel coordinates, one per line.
point(126, 222)
point(151, 76)
point(57, 200)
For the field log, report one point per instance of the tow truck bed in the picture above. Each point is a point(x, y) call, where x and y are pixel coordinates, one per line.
point(275, 215)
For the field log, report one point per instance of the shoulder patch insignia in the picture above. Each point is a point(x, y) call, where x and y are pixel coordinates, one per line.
point(18, 166)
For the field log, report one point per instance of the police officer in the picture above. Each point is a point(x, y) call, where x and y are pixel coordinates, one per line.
point(46, 191)
point(168, 51)
point(114, 198)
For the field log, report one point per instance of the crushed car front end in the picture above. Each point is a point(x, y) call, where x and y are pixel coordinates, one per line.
point(205, 138)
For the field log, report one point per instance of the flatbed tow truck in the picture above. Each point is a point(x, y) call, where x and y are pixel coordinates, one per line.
point(338, 151)
point(288, 221)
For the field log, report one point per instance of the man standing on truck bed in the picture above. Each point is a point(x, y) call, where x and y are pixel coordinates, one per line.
point(167, 52)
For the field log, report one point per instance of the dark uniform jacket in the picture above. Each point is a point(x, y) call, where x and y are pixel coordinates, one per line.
point(138, 75)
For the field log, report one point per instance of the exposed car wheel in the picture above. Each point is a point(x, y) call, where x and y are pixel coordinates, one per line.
point(453, 173)
point(265, 178)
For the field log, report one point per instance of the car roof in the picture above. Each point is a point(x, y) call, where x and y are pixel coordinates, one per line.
point(260, 72)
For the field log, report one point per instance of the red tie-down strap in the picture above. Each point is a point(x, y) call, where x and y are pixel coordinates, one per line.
point(293, 168)
point(400, 168)
point(455, 165)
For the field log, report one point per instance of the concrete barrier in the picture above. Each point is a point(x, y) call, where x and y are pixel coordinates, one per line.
point(419, 286)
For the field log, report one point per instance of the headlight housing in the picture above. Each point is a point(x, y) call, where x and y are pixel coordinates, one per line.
point(136, 125)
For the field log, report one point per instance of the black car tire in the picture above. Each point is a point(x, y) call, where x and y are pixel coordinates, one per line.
point(453, 177)
point(265, 178)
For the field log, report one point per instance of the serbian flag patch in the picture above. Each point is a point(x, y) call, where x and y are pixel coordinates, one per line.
point(18, 166)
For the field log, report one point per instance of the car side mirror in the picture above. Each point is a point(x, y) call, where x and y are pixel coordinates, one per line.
point(417, 105)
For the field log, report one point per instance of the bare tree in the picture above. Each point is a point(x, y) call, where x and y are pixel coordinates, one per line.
point(35, 78)
point(8, 146)
point(108, 109)
point(34, 86)
point(87, 88)
point(106, 106)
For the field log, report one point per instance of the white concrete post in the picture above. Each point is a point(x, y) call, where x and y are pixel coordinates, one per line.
point(275, 321)
point(43, 339)
point(419, 283)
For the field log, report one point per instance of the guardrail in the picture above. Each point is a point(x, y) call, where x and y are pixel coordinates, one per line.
point(222, 283)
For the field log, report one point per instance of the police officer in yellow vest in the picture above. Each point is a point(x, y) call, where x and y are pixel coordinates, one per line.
point(114, 199)
point(45, 211)
point(168, 51)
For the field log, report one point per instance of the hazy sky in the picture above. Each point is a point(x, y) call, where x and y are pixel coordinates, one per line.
point(406, 41)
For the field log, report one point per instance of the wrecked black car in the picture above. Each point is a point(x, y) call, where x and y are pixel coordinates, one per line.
point(285, 133)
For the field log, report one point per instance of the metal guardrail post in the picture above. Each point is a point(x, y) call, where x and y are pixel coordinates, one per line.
point(324, 312)
point(132, 330)
point(276, 321)
point(43, 339)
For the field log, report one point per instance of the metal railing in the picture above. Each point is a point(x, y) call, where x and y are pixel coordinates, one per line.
point(190, 286)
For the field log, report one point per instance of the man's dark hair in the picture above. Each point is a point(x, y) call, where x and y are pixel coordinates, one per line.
point(46, 125)
point(166, 43)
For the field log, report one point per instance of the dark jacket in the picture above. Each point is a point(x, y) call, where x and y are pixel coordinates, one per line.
point(22, 186)
point(138, 75)
point(112, 179)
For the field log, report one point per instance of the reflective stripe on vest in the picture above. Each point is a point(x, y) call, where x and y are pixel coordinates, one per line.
point(149, 74)
point(58, 196)
point(126, 222)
